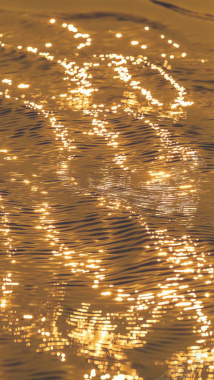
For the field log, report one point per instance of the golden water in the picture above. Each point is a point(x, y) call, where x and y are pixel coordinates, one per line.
point(106, 198)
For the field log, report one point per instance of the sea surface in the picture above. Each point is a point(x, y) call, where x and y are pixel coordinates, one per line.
point(106, 197)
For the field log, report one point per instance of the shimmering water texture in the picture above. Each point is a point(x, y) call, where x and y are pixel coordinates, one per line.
point(106, 268)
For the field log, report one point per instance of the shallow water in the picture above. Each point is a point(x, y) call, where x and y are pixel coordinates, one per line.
point(106, 196)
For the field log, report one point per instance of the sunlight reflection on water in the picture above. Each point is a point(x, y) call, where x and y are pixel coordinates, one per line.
point(100, 193)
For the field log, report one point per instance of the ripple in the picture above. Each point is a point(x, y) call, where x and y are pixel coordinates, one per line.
point(101, 252)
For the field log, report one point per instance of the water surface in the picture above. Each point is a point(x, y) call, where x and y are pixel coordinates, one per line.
point(106, 195)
